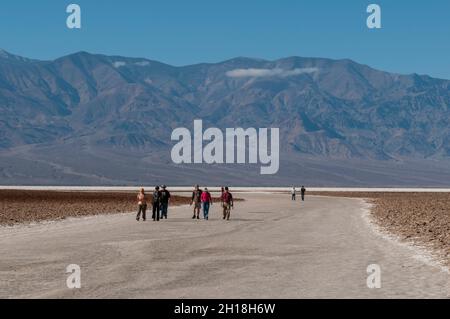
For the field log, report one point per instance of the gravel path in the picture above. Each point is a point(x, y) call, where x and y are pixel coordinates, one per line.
point(273, 248)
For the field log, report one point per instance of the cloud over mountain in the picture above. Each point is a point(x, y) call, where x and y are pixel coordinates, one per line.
point(255, 73)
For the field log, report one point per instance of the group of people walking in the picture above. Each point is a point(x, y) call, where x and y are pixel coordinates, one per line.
point(201, 200)
point(160, 204)
point(294, 193)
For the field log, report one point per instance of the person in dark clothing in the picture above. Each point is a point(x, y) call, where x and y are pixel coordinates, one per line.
point(196, 201)
point(156, 203)
point(142, 206)
point(228, 204)
point(165, 199)
point(303, 191)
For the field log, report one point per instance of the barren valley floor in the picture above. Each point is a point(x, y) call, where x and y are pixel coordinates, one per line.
point(272, 248)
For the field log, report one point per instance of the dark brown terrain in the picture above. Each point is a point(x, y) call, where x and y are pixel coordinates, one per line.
point(35, 206)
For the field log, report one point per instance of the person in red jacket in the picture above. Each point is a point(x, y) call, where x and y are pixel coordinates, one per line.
point(206, 203)
point(227, 200)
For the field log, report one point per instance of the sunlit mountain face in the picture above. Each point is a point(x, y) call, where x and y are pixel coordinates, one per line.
point(96, 119)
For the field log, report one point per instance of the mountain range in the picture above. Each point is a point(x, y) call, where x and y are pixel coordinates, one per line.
point(91, 119)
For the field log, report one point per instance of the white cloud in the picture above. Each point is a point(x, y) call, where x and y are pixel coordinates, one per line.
point(119, 64)
point(254, 73)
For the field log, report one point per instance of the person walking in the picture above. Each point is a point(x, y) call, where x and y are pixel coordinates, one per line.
point(156, 203)
point(142, 205)
point(293, 193)
point(303, 191)
point(165, 199)
point(206, 203)
point(227, 199)
point(196, 201)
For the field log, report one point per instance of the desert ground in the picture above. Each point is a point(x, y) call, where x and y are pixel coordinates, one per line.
point(25, 206)
point(419, 217)
point(272, 248)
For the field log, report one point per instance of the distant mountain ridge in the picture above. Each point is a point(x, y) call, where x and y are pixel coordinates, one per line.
point(335, 109)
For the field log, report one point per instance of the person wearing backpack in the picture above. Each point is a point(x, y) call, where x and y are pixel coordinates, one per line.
point(227, 199)
point(165, 199)
point(196, 201)
point(156, 203)
point(206, 203)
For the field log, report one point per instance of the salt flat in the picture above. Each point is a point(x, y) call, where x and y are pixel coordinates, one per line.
point(273, 248)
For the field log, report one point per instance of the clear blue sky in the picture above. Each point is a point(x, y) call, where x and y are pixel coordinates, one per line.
point(415, 35)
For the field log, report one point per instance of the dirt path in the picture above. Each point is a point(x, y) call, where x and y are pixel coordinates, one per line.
point(273, 248)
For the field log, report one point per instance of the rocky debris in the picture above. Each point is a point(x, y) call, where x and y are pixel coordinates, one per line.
point(35, 206)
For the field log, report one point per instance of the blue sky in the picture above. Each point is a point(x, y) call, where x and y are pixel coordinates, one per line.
point(415, 36)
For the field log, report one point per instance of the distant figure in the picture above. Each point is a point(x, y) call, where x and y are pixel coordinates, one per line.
point(293, 193)
point(196, 201)
point(165, 199)
point(142, 206)
point(303, 191)
point(206, 203)
point(156, 202)
point(227, 200)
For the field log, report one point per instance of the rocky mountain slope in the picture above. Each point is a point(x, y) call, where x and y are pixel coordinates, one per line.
point(113, 109)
